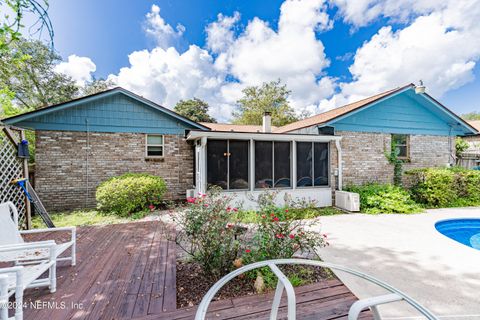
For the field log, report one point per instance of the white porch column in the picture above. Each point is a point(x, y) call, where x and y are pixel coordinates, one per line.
point(251, 167)
point(203, 165)
point(294, 164)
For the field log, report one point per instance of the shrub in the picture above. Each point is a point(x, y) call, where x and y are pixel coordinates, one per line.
point(130, 193)
point(384, 198)
point(445, 187)
point(207, 234)
point(279, 235)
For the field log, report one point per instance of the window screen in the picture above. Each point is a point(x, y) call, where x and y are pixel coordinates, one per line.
point(263, 164)
point(320, 164)
point(238, 164)
point(304, 164)
point(217, 163)
point(281, 164)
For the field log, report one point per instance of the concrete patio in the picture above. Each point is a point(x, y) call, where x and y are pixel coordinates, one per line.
point(407, 252)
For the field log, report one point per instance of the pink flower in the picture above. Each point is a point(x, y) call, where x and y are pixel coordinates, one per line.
point(228, 209)
point(235, 209)
point(272, 214)
point(229, 226)
point(286, 210)
point(191, 200)
point(292, 236)
point(248, 251)
point(263, 216)
point(279, 236)
point(205, 205)
point(275, 219)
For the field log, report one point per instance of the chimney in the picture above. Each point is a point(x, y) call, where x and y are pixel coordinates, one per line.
point(267, 122)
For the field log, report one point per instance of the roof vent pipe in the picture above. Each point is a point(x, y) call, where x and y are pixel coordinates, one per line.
point(267, 122)
point(420, 88)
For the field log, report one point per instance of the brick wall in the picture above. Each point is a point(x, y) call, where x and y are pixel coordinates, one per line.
point(64, 181)
point(364, 155)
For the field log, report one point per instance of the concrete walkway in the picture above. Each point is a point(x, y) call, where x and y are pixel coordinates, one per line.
point(407, 252)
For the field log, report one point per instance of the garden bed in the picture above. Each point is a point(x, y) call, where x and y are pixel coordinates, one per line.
point(192, 285)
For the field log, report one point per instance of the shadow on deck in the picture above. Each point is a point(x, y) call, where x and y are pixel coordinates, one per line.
point(127, 271)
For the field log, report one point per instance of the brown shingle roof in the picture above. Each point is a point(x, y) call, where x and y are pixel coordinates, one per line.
point(233, 127)
point(334, 113)
point(475, 124)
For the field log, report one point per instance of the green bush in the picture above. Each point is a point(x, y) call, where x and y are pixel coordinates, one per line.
point(384, 198)
point(445, 187)
point(130, 193)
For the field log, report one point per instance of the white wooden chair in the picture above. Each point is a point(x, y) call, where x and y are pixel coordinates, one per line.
point(10, 235)
point(14, 280)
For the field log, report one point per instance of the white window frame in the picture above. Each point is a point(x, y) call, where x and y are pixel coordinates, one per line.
point(154, 145)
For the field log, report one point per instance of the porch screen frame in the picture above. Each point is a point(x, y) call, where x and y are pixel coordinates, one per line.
point(329, 178)
point(228, 154)
point(273, 166)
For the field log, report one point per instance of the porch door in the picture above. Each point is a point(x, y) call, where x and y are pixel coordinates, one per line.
point(217, 163)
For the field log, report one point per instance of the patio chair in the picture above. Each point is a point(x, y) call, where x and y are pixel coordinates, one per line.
point(14, 280)
point(10, 235)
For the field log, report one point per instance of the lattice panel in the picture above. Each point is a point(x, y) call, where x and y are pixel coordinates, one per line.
point(11, 168)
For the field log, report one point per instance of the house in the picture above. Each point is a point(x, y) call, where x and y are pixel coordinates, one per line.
point(474, 140)
point(83, 142)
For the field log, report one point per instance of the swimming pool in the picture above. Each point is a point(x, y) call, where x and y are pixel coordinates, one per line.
point(465, 231)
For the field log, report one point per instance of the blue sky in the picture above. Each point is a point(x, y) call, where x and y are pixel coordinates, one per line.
point(106, 32)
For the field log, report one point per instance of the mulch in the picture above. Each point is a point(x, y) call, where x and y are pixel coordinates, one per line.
point(192, 284)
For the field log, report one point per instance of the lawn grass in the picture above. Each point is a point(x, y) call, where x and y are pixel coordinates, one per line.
point(251, 216)
point(79, 218)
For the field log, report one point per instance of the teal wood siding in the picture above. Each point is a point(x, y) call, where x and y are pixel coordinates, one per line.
point(405, 113)
point(113, 113)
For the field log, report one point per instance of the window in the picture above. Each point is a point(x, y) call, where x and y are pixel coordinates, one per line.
point(401, 144)
point(227, 164)
point(154, 145)
point(272, 164)
point(312, 164)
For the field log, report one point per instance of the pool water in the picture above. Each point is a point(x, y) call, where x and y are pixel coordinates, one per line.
point(465, 231)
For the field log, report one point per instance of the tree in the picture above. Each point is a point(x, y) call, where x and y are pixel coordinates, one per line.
point(475, 115)
point(194, 109)
point(34, 80)
point(96, 86)
point(269, 97)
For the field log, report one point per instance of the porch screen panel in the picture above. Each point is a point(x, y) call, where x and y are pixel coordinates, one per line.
point(263, 164)
point(281, 165)
point(238, 166)
point(217, 165)
point(320, 164)
point(304, 164)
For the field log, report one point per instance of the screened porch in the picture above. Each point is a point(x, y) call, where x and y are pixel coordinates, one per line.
point(245, 164)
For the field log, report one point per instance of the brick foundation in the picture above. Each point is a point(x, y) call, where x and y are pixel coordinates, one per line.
point(68, 172)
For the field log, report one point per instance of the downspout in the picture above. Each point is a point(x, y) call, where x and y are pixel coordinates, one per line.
point(340, 166)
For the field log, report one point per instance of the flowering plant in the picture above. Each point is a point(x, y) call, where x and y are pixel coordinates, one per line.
point(279, 235)
point(208, 234)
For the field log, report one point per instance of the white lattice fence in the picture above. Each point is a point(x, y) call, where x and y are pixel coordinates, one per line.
point(11, 168)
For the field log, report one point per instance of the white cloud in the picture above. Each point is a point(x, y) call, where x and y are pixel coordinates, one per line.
point(439, 44)
point(163, 33)
point(79, 68)
point(166, 76)
point(292, 53)
point(440, 48)
point(362, 12)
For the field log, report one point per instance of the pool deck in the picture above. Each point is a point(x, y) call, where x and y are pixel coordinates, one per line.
point(407, 252)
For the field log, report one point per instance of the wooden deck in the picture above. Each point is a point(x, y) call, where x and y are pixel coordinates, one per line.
point(127, 271)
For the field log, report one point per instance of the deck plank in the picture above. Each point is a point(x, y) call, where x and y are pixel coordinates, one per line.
point(128, 271)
